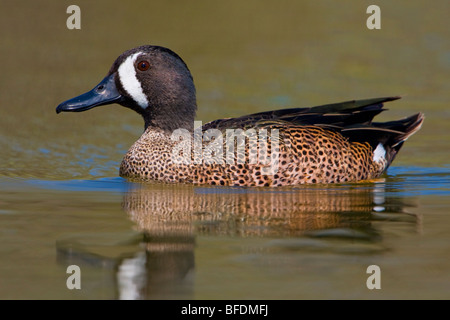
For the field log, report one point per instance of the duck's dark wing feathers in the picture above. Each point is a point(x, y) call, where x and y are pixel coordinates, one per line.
point(353, 119)
point(338, 115)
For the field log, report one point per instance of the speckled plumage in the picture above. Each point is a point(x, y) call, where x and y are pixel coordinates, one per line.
point(326, 144)
point(307, 154)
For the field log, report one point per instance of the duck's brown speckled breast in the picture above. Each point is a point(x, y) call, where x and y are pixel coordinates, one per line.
point(305, 155)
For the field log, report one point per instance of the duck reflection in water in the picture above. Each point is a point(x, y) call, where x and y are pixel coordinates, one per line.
point(169, 218)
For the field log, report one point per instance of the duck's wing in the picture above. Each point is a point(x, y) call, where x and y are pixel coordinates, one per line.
point(337, 115)
point(353, 119)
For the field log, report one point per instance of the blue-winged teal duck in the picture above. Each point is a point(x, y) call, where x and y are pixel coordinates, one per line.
point(332, 143)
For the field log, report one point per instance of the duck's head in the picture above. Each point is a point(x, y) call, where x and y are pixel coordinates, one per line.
point(153, 81)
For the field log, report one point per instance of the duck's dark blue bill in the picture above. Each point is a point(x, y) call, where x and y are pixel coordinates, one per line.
point(103, 93)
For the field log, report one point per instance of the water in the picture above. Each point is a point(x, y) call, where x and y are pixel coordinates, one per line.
point(62, 202)
point(158, 241)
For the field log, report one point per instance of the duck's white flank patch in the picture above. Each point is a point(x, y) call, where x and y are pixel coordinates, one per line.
point(379, 153)
point(127, 77)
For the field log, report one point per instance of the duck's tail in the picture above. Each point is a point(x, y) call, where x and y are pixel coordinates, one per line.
point(391, 135)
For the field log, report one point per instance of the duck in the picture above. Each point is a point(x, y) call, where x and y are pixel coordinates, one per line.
point(325, 144)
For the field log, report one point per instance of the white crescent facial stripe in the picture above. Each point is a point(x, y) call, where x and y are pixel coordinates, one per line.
point(127, 77)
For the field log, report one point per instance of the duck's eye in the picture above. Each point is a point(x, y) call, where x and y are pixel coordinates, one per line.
point(143, 65)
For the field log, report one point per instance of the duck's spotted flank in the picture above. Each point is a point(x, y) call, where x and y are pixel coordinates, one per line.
point(332, 143)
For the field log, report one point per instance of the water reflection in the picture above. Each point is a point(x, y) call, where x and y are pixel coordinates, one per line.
point(140, 266)
point(158, 261)
point(288, 212)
